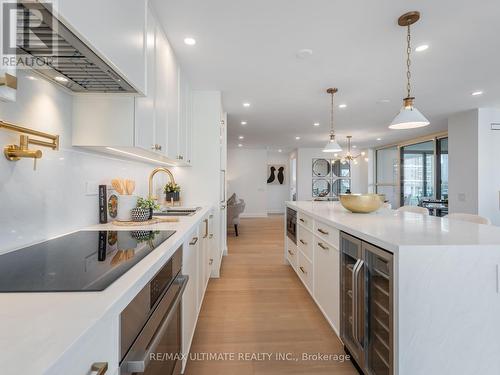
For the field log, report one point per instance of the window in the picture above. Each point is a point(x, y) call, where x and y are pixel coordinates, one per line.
point(387, 164)
point(442, 171)
point(417, 174)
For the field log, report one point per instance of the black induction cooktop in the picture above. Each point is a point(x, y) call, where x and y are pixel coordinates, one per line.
point(78, 262)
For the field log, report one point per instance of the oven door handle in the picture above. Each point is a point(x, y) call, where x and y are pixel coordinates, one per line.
point(140, 365)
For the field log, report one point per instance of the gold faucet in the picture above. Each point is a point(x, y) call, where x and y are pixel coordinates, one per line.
point(153, 173)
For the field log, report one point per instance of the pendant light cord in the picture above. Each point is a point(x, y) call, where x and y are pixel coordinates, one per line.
point(408, 62)
point(331, 118)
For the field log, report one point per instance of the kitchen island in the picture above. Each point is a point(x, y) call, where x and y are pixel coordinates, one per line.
point(443, 298)
point(64, 333)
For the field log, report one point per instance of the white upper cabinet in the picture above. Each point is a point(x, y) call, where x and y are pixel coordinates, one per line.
point(114, 29)
point(144, 106)
point(156, 125)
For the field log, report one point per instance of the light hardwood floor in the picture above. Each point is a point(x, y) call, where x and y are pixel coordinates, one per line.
point(259, 305)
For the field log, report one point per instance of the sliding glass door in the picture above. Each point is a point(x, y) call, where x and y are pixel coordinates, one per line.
point(417, 173)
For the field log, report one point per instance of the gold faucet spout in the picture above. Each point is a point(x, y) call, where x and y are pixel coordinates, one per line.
point(153, 173)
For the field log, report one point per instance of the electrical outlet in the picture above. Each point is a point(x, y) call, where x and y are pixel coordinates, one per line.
point(91, 188)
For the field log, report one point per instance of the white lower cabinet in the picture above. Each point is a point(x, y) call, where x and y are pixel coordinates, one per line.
point(316, 260)
point(191, 254)
point(98, 345)
point(195, 259)
point(291, 252)
point(327, 280)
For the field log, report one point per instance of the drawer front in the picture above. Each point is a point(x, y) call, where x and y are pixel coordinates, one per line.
point(291, 253)
point(305, 242)
point(305, 271)
point(305, 220)
point(327, 280)
point(327, 233)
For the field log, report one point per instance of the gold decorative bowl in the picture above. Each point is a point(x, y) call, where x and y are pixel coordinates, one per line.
point(361, 203)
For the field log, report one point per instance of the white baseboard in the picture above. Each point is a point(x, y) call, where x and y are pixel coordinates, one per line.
point(252, 215)
point(276, 212)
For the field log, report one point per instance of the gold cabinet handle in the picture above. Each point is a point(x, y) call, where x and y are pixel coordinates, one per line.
point(303, 270)
point(322, 231)
point(302, 220)
point(211, 236)
point(320, 244)
point(290, 252)
point(193, 241)
point(99, 368)
point(206, 228)
point(211, 261)
point(303, 242)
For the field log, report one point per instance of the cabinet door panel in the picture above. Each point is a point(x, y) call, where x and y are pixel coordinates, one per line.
point(172, 104)
point(190, 296)
point(327, 280)
point(162, 84)
point(144, 106)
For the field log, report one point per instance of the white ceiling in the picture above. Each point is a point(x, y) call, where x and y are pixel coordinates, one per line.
point(247, 49)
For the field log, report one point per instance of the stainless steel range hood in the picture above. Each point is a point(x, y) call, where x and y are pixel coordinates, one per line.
point(61, 56)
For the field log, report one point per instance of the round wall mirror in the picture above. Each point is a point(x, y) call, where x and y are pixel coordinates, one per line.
point(340, 169)
point(341, 186)
point(321, 168)
point(320, 188)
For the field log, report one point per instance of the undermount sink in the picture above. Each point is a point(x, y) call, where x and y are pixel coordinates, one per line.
point(177, 212)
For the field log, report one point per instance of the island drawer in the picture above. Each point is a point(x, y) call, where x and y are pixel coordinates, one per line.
point(291, 253)
point(305, 220)
point(327, 233)
point(305, 269)
point(305, 242)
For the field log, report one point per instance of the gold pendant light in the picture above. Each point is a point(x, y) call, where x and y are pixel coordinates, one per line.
point(409, 117)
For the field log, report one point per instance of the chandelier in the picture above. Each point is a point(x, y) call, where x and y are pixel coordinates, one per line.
point(349, 157)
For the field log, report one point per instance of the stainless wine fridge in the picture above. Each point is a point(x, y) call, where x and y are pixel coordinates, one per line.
point(367, 305)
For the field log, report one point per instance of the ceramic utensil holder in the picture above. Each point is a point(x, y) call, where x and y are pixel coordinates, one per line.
point(125, 205)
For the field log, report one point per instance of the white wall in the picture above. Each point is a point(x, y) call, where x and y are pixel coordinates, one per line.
point(474, 170)
point(463, 162)
point(35, 205)
point(489, 165)
point(247, 176)
point(278, 194)
point(359, 178)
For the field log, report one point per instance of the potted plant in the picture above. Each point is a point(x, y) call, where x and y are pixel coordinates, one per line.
point(172, 192)
point(148, 204)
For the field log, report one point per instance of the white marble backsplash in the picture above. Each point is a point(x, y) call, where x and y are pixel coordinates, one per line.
point(53, 200)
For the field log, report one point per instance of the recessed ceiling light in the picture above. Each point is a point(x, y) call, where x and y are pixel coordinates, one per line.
point(241, 137)
point(240, 145)
point(31, 78)
point(316, 124)
point(476, 93)
point(61, 79)
point(379, 139)
point(354, 146)
point(189, 41)
point(243, 123)
point(383, 101)
point(297, 138)
point(280, 150)
point(246, 104)
point(304, 53)
point(422, 47)
point(342, 105)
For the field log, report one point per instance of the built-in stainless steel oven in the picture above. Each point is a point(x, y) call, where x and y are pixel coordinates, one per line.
point(291, 224)
point(151, 326)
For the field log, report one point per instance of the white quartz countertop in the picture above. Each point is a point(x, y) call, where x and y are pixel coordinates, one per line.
point(37, 329)
point(392, 230)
